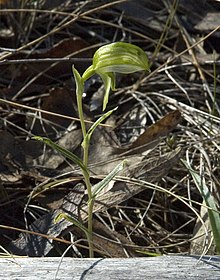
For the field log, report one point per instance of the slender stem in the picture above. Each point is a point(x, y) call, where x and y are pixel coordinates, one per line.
point(86, 175)
point(90, 214)
point(90, 227)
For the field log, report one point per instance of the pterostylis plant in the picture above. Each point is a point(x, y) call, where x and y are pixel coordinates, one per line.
point(108, 60)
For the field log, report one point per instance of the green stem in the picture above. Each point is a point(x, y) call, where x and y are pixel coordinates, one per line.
point(90, 227)
point(90, 213)
point(79, 94)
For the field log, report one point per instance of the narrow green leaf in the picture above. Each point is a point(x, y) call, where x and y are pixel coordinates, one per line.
point(71, 220)
point(66, 153)
point(95, 124)
point(148, 253)
point(214, 215)
point(79, 82)
point(101, 185)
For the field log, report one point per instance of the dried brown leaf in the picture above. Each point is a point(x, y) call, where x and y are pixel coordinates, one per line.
point(151, 137)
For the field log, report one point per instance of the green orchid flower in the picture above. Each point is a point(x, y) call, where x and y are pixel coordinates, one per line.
point(114, 58)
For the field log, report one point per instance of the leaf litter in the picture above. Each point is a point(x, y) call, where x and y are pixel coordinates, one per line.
point(176, 116)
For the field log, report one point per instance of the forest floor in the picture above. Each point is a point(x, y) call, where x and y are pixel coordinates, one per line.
point(167, 124)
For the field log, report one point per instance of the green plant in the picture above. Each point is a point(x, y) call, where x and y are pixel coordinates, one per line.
point(113, 58)
point(212, 208)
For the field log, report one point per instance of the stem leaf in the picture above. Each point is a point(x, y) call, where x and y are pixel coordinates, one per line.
point(71, 220)
point(94, 125)
point(102, 184)
point(79, 82)
point(66, 153)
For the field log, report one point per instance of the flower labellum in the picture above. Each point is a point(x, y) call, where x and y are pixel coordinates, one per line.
point(114, 58)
